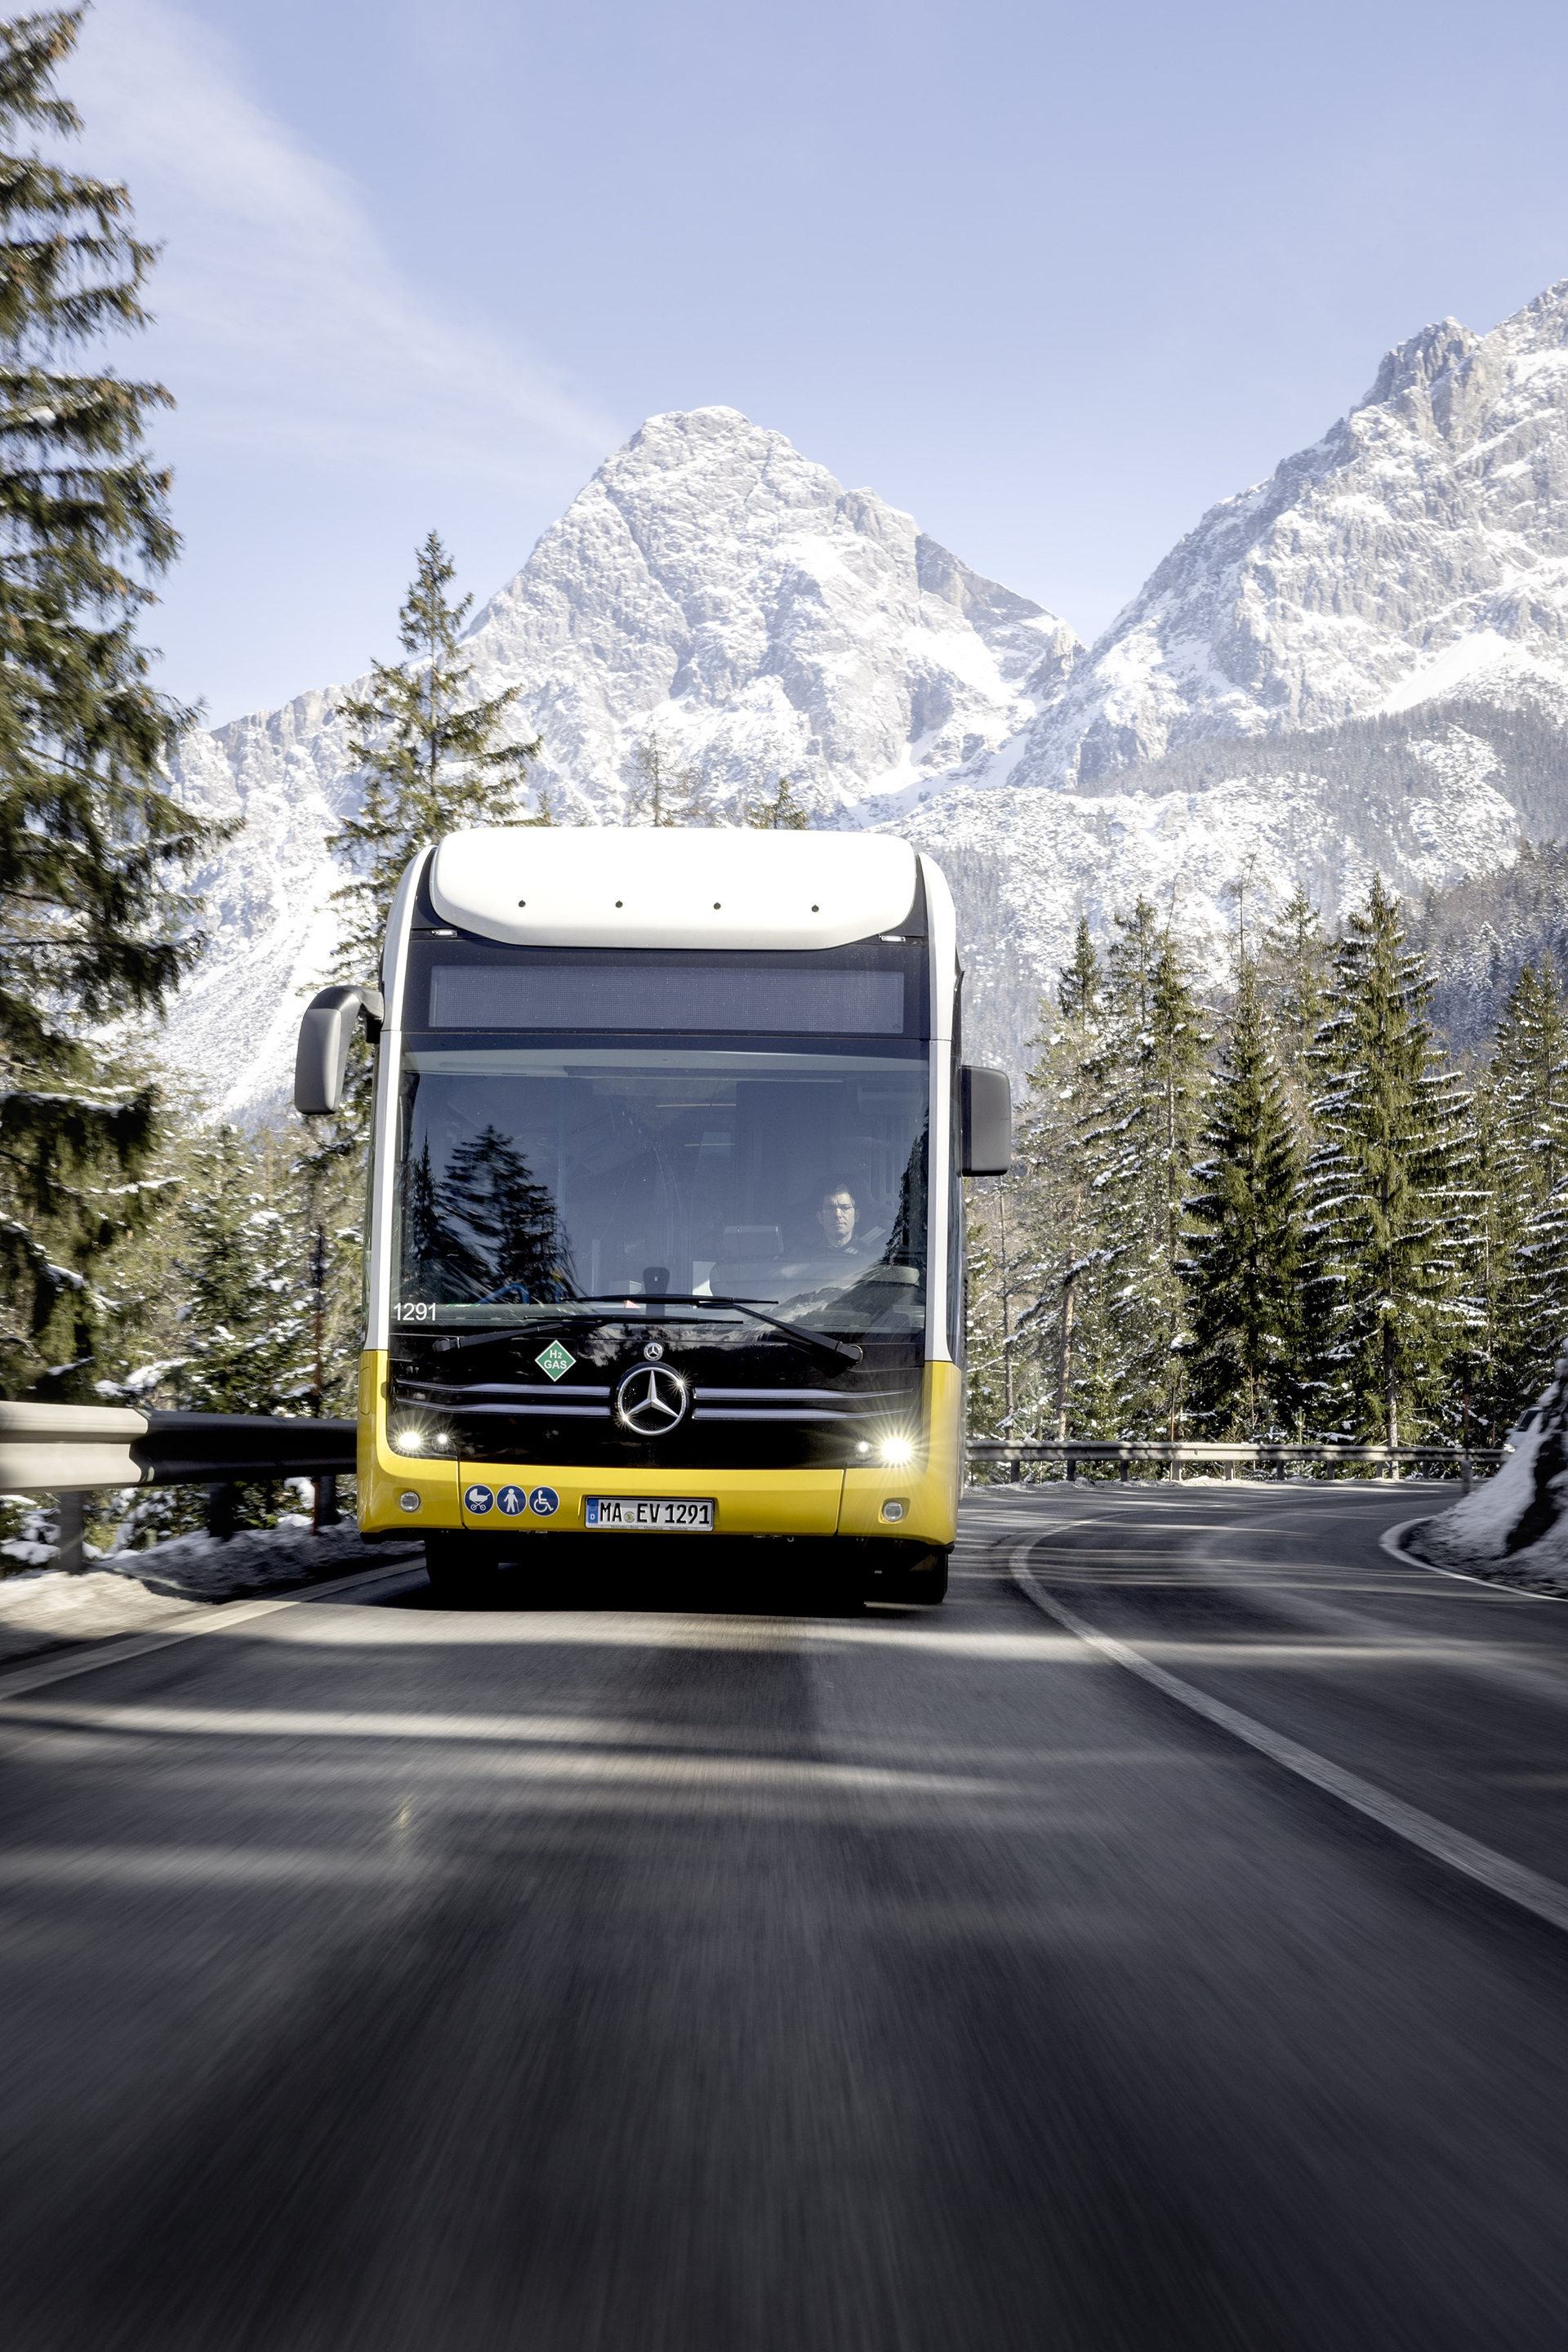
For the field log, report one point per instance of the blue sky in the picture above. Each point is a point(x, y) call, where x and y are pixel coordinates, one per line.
point(1053, 278)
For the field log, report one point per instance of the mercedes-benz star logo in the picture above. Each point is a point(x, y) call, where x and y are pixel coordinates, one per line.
point(652, 1401)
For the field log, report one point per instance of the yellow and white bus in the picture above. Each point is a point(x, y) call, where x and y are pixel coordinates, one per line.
point(666, 1229)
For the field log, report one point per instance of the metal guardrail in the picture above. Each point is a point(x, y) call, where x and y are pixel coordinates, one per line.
point(1180, 1454)
point(45, 1448)
point(65, 1449)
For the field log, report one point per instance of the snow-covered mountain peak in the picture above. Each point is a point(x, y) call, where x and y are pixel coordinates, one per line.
point(714, 585)
point(1417, 377)
point(1418, 550)
point(713, 589)
point(710, 588)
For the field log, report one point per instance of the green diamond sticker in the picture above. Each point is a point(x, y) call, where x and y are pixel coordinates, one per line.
point(555, 1360)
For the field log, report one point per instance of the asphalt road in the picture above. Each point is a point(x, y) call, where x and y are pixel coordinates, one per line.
point(381, 1979)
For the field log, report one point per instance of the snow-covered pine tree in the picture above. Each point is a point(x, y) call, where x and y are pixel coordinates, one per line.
point(1530, 1069)
point(1004, 1285)
point(1293, 964)
point(1244, 1244)
point(248, 1329)
point(233, 1328)
point(661, 793)
point(93, 923)
point(1067, 1244)
point(1150, 1071)
point(1390, 1219)
point(782, 813)
point(985, 1381)
point(433, 757)
point(1486, 1356)
point(1524, 1268)
point(434, 760)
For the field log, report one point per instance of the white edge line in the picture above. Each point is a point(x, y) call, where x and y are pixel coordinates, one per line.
point(1512, 1880)
point(226, 1614)
point(1390, 1543)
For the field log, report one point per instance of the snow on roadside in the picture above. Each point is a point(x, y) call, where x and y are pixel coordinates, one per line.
point(143, 1591)
point(1515, 1527)
point(259, 1560)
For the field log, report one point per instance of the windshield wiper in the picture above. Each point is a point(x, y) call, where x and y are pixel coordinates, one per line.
point(636, 1309)
point(445, 1346)
point(753, 1307)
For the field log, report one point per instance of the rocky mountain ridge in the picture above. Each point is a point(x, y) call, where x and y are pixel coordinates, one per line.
point(1362, 663)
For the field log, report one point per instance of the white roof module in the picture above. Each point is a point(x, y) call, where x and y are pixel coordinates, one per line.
point(614, 886)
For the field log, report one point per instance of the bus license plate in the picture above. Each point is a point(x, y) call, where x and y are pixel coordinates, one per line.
point(649, 1513)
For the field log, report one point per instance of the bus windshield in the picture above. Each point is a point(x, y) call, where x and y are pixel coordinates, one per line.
point(531, 1175)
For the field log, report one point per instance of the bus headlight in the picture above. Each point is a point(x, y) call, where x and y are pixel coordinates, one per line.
point(412, 1434)
point(895, 1450)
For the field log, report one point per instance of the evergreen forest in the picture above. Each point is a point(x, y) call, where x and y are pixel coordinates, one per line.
point(1283, 1210)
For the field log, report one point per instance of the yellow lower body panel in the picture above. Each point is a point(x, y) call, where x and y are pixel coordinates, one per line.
point(396, 1491)
point(417, 1495)
point(926, 1487)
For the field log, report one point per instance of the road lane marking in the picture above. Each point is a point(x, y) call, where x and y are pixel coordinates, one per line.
point(1389, 1542)
point(134, 1866)
point(1526, 1888)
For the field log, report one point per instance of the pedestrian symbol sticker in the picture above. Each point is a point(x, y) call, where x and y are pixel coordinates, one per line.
point(513, 1501)
point(478, 1499)
point(544, 1501)
point(555, 1360)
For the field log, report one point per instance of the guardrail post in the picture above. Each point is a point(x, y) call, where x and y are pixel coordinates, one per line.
point(327, 1513)
point(222, 1503)
point(70, 1555)
point(1464, 1474)
point(1124, 1470)
point(1072, 1466)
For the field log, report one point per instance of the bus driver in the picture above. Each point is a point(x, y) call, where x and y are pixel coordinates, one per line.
point(837, 1215)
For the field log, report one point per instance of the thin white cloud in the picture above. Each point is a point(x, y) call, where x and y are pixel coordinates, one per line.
point(283, 321)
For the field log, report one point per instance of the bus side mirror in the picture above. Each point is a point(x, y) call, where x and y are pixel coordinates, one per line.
point(326, 1034)
point(985, 1122)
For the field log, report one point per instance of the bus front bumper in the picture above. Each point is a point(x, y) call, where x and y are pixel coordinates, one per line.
point(912, 1502)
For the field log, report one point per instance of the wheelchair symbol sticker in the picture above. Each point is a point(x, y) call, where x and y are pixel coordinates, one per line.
point(512, 1500)
point(544, 1501)
point(479, 1500)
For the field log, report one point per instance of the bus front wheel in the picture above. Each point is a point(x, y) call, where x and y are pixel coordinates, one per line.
point(462, 1570)
point(908, 1572)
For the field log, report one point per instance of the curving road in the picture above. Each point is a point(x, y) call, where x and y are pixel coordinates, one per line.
point(644, 1973)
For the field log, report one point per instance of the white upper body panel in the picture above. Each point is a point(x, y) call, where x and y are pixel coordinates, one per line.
point(616, 886)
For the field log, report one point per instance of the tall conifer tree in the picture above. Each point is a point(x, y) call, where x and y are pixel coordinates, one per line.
point(1245, 1248)
point(783, 813)
point(1390, 1225)
point(93, 923)
point(432, 757)
point(663, 794)
point(1522, 1276)
point(1055, 1163)
point(1293, 965)
point(1148, 1070)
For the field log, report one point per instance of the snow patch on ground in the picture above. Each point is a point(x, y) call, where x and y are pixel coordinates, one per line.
point(42, 1608)
point(145, 1591)
point(1514, 1529)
